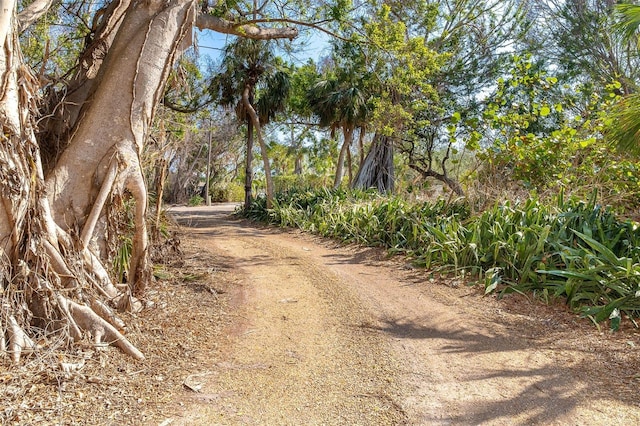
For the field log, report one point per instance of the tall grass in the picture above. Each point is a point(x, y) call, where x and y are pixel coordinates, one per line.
point(573, 250)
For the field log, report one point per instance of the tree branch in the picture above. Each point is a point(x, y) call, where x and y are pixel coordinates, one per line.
point(313, 25)
point(31, 13)
point(209, 22)
point(185, 109)
point(251, 29)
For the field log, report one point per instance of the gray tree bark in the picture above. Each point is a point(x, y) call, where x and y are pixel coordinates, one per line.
point(377, 170)
point(255, 120)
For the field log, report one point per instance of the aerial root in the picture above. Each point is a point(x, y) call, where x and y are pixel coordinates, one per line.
point(19, 342)
point(139, 270)
point(99, 203)
point(107, 314)
point(97, 319)
point(101, 329)
point(74, 330)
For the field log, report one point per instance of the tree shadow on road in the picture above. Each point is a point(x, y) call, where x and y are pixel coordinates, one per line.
point(573, 373)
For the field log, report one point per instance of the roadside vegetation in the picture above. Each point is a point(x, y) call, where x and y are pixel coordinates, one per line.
point(517, 170)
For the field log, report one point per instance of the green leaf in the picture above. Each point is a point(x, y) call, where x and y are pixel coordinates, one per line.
point(600, 248)
point(587, 142)
point(567, 274)
point(544, 111)
point(473, 144)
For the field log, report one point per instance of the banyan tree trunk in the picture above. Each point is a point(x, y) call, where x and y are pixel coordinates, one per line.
point(377, 169)
point(53, 229)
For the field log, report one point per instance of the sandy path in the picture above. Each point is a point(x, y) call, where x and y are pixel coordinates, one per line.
point(338, 336)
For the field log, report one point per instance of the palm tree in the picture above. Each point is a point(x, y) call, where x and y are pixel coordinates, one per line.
point(251, 80)
point(339, 104)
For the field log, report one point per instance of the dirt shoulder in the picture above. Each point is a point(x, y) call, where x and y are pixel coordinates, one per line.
point(340, 335)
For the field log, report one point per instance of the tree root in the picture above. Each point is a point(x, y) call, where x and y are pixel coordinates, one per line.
point(139, 270)
point(102, 331)
point(98, 320)
point(107, 314)
point(19, 342)
point(127, 303)
point(102, 281)
point(95, 266)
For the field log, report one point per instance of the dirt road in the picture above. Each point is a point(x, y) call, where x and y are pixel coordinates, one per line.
point(330, 335)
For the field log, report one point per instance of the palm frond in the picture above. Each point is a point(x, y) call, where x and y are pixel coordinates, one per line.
point(624, 129)
point(629, 20)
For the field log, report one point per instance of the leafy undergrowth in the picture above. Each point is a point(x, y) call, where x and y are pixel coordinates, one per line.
point(574, 250)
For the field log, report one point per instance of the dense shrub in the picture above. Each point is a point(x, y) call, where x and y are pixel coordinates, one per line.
point(231, 192)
